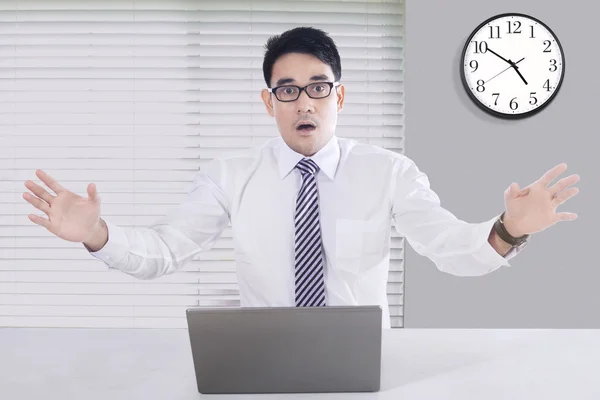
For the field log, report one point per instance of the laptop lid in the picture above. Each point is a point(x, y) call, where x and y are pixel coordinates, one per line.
point(286, 349)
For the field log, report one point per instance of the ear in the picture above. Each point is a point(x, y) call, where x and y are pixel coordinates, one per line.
point(268, 100)
point(340, 91)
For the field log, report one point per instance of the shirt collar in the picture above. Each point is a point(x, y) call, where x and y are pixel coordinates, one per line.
point(327, 158)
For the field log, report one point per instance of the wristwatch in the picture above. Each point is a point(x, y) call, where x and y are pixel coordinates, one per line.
point(500, 229)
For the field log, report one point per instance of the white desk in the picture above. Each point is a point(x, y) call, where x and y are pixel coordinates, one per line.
point(126, 364)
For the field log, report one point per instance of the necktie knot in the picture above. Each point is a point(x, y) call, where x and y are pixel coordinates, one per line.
point(307, 166)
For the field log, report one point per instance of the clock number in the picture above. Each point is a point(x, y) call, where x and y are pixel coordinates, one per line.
point(497, 95)
point(547, 85)
point(510, 26)
point(476, 65)
point(547, 50)
point(497, 36)
point(480, 85)
point(532, 37)
point(480, 47)
point(531, 96)
point(553, 64)
point(516, 105)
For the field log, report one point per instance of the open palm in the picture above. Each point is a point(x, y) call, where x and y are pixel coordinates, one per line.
point(70, 216)
point(533, 209)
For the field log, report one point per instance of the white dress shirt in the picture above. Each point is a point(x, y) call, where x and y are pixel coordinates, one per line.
point(363, 190)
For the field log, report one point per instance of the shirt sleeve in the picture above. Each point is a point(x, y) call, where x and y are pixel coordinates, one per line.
point(455, 246)
point(167, 245)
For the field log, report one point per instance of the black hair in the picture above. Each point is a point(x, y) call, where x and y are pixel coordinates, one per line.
point(304, 40)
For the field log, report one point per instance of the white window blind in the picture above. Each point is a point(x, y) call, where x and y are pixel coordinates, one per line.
point(136, 96)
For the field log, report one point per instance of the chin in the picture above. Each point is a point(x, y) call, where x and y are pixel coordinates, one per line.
point(306, 143)
point(307, 134)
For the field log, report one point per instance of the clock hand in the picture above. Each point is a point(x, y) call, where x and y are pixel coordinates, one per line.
point(498, 55)
point(512, 64)
point(504, 70)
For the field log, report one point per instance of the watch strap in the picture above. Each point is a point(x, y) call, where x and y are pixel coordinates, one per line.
point(501, 231)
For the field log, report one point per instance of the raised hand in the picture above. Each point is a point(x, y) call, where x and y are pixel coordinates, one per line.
point(70, 216)
point(533, 208)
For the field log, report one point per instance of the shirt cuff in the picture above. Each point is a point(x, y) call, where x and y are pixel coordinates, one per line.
point(115, 249)
point(486, 254)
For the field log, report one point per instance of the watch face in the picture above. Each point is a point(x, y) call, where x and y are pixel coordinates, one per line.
point(512, 65)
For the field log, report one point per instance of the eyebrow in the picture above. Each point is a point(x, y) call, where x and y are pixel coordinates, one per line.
point(284, 81)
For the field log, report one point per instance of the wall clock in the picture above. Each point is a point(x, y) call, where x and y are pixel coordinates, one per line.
point(512, 65)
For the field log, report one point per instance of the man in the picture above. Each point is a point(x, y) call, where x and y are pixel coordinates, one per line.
point(310, 212)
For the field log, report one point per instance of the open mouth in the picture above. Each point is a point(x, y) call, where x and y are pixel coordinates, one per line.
point(306, 127)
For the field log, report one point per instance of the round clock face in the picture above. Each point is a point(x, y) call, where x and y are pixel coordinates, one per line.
point(512, 65)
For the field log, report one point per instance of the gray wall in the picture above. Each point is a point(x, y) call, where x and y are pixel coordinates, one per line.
point(471, 158)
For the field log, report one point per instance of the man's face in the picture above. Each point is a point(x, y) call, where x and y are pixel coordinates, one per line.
point(301, 70)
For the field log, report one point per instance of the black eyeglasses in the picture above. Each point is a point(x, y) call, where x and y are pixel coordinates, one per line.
point(317, 90)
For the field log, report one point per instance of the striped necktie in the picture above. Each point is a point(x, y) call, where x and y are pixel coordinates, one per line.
point(310, 282)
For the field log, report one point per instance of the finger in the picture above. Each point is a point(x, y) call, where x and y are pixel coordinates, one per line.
point(550, 175)
point(40, 221)
point(565, 195)
point(563, 184)
point(49, 181)
point(92, 192)
point(39, 191)
point(565, 216)
point(512, 191)
point(37, 203)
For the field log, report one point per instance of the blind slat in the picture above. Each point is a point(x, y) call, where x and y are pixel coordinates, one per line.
point(9, 99)
point(195, 28)
point(241, 121)
point(225, 62)
point(104, 289)
point(345, 130)
point(181, 39)
point(111, 300)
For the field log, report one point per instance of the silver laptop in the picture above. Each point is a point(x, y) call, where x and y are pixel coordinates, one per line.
point(286, 349)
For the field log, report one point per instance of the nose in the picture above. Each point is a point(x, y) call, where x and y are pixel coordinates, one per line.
point(304, 103)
